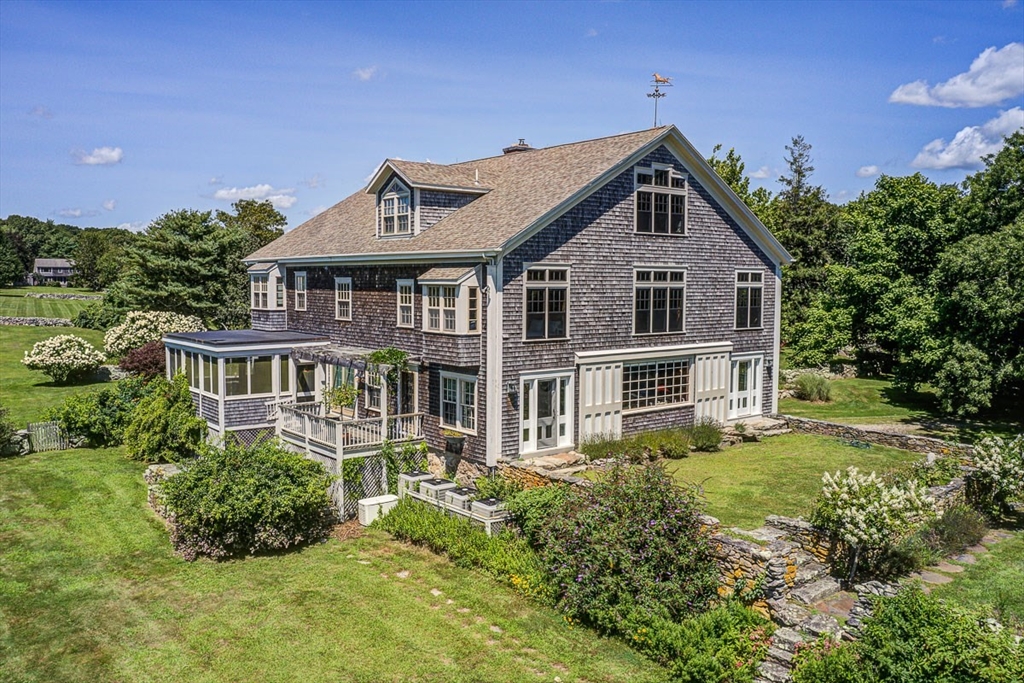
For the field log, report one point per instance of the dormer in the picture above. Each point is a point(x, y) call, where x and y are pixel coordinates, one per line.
point(396, 216)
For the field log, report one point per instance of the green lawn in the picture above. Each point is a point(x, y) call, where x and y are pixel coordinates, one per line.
point(28, 394)
point(14, 303)
point(995, 583)
point(90, 591)
point(780, 475)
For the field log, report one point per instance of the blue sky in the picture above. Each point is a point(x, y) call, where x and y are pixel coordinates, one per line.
point(115, 113)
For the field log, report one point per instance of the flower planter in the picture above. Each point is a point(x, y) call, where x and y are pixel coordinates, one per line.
point(454, 444)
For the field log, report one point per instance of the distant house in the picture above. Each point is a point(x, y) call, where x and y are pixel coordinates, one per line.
point(49, 270)
point(543, 296)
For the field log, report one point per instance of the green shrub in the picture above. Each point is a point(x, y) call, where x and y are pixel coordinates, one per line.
point(64, 358)
point(101, 315)
point(532, 508)
point(706, 434)
point(811, 387)
point(164, 426)
point(641, 448)
point(937, 473)
point(958, 528)
point(100, 419)
point(7, 432)
point(998, 474)
point(827, 661)
point(725, 643)
point(631, 543)
point(239, 500)
point(506, 557)
point(497, 486)
point(906, 556)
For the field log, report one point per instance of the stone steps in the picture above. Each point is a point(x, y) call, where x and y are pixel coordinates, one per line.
point(816, 591)
point(809, 573)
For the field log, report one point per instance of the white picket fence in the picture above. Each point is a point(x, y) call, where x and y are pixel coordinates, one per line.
point(47, 436)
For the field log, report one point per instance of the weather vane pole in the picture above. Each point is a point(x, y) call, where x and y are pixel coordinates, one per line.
point(658, 81)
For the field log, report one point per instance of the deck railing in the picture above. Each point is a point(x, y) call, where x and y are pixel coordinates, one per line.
point(305, 423)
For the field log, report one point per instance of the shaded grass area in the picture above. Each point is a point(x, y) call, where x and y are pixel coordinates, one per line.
point(90, 591)
point(14, 303)
point(28, 394)
point(779, 475)
point(995, 584)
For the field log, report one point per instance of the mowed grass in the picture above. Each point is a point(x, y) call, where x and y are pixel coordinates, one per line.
point(14, 303)
point(995, 583)
point(780, 475)
point(866, 401)
point(28, 394)
point(90, 591)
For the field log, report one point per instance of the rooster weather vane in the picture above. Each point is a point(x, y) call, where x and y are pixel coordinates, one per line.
point(658, 82)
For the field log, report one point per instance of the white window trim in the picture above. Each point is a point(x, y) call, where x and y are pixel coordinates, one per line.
point(342, 284)
point(259, 287)
point(441, 308)
point(304, 291)
point(395, 194)
point(527, 267)
point(688, 359)
point(411, 284)
point(460, 379)
point(736, 297)
point(684, 191)
point(686, 292)
point(758, 378)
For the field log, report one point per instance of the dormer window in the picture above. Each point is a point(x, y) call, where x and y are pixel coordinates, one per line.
point(660, 200)
point(396, 210)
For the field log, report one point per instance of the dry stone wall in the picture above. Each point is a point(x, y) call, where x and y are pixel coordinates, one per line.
point(36, 322)
point(907, 442)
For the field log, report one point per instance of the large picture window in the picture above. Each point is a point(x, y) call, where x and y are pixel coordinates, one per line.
point(458, 402)
point(343, 298)
point(655, 384)
point(547, 298)
point(748, 300)
point(660, 200)
point(658, 301)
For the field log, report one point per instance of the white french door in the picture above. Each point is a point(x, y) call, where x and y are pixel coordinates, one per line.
point(745, 387)
point(546, 412)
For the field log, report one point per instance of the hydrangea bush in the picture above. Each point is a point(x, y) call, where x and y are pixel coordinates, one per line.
point(998, 476)
point(867, 515)
point(142, 327)
point(64, 358)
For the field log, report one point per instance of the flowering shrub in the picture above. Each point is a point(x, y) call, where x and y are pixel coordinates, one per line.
point(141, 327)
point(999, 473)
point(165, 427)
point(632, 543)
point(149, 360)
point(247, 500)
point(867, 515)
point(64, 358)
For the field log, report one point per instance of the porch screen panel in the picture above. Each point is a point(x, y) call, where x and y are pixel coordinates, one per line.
point(262, 378)
point(236, 376)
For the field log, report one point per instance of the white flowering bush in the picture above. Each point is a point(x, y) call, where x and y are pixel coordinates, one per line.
point(866, 515)
point(142, 327)
point(998, 476)
point(64, 358)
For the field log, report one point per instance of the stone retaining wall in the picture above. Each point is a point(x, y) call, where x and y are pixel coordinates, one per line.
point(77, 297)
point(36, 322)
point(907, 442)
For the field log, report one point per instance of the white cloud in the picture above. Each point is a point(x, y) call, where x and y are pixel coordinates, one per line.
point(365, 74)
point(1009, 4)
point(970, 144)
point(314, 182)
point(995, 76)
point(762, 172)
point(110, 204)
point(41, 112)
point(867, 171)
point(216, 180)
point(77, 213)
point(316, 210)
point(283, 198)
point(101, 156)
point(591, 33)
point(134, 226)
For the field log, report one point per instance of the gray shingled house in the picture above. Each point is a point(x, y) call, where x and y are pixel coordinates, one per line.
point(543, 296)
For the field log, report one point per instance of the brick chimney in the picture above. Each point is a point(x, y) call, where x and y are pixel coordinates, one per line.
point(520, 146)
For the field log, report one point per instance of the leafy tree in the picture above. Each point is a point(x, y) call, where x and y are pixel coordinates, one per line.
point(164, 426)
point(733, 172)
point(258, 220)
point(91, 247)
point(40, 239)
point(996, 193)
point(11, 267)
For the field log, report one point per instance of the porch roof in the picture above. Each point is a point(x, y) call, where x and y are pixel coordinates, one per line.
point(217, 338)
point(340, 354)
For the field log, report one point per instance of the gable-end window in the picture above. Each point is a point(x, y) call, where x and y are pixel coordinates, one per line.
point(405, 299)
point(748, 300)
point(300, 291)
point(260, 291)
point(660, 200)
point(395, 210)
point(458, 402)
point(547, 299)
point(343, 298)
point(441, 308)
point(659, 297)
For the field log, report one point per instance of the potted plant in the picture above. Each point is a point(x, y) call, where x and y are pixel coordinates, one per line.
point(453, 441)
point(341, 397)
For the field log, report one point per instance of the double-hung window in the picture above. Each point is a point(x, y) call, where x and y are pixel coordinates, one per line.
point(660, 200)
point(441, 308)
point(547, 303)
point(343, 298)
point(260, 291)
point(300, 291)
point(405, 300)
point(659, 296)
point(279, 292)
point(655, 384)
point(458, 402)
point(474, 309)
point(396, 210)
point(748, 299)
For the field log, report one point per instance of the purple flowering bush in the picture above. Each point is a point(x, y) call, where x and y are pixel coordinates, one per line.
point(630, 547)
